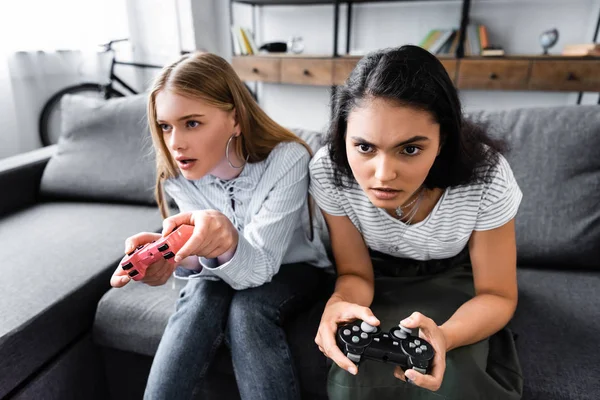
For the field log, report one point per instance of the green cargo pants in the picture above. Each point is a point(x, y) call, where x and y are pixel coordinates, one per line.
point(487, 370)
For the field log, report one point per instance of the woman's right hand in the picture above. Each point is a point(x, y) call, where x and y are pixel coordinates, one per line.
point(338, 311)
point(156, 274)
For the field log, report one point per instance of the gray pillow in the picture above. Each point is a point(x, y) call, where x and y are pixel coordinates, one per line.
point(555, 156)
point(104, 152)
point(314, 139)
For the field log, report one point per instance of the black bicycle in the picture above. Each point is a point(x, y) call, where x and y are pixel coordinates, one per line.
point(49, 123)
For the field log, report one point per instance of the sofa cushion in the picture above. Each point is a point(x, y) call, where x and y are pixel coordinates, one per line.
point(104, 152)
point(554, 156)
point(133, 318)
point(557, 322)
point(56, 265)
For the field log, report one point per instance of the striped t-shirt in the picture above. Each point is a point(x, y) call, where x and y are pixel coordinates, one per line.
point(267, 203)
point(442, 234)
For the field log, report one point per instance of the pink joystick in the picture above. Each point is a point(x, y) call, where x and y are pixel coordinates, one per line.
point(138, 261)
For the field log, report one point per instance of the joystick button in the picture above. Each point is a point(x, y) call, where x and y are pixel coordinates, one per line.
point(355, 339)
point(163, 247)
point(355, 328)
point(418, 350)
point(127, 266)
point(133, 273)
point(367, 328)
point(364, 335)
point(423, 347)
point(347, 332)
point(417, 342)
point(169, 255)
point(400, 334)
point(412, 345)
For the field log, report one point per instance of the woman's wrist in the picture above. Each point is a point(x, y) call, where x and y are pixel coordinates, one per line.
point(477, 319)
point(230, 252)
point(190, 262)
point(335, 298)
point(227, 256)
point(447, 331)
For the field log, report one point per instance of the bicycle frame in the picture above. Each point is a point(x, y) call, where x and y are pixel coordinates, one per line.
point(115, 78)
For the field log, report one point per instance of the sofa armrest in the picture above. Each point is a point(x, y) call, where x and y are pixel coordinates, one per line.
point(20, 178)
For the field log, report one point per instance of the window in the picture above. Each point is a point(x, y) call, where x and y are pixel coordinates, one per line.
point(30, 25)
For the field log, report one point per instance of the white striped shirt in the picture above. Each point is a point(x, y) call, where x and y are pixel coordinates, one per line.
point(270, 211)
point(442, 234)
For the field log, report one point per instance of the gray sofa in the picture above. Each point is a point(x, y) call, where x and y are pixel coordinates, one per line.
point(65, 211)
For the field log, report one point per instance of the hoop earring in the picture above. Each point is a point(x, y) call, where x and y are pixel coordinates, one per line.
point(227, 155)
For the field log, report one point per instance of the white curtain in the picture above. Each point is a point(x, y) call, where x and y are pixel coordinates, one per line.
point(44, 47)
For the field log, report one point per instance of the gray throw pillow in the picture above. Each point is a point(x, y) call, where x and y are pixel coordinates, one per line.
point(104, 152)
point(314, 139)
point(555, 156)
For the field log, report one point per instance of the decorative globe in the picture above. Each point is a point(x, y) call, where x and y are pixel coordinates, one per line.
point(548, 39)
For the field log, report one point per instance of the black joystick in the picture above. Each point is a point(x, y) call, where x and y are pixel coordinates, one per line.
point(359, 340)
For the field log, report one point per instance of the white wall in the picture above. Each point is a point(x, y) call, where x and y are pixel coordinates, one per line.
point(211, 25)
point(515, 24)
point(154, 35)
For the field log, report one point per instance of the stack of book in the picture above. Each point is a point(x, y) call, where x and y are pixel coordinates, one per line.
point(243, 41)
point(445, 42)
point(440, 41)
point(582, 50)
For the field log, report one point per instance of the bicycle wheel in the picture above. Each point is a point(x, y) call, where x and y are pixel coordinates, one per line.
point(50, 120)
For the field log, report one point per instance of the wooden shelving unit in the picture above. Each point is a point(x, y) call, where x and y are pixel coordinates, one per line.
point(519, 72)
point(541, 73)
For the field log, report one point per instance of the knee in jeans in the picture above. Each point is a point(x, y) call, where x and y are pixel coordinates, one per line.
point(247, 311)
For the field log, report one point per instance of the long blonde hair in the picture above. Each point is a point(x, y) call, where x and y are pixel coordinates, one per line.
point(210, 78)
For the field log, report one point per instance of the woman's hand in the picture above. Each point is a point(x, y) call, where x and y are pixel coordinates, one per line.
point(156, 274)
point(339, 311)
point(214, 234)
point(429, 331)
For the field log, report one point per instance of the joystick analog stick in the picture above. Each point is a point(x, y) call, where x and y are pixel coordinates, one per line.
point(367, 328)
point(399, 334)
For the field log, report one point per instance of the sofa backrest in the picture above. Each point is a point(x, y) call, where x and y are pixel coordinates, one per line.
point(105, 154)
point(555, 156)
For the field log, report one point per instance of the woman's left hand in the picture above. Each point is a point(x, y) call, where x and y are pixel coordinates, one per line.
point(429, 331)
point(214, 234)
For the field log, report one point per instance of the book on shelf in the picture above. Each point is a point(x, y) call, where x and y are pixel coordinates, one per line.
point(243, 41)
point(445, 41)
point(492, 51)
point(237, 48)
point(444, 37)
point(582, 50)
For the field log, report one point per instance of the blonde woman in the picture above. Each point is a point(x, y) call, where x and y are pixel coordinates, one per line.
point(242, 181)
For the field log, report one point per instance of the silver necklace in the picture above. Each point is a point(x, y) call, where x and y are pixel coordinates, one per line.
point(400, 213)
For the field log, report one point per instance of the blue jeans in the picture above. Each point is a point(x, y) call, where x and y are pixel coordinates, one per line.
point(209, 312)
